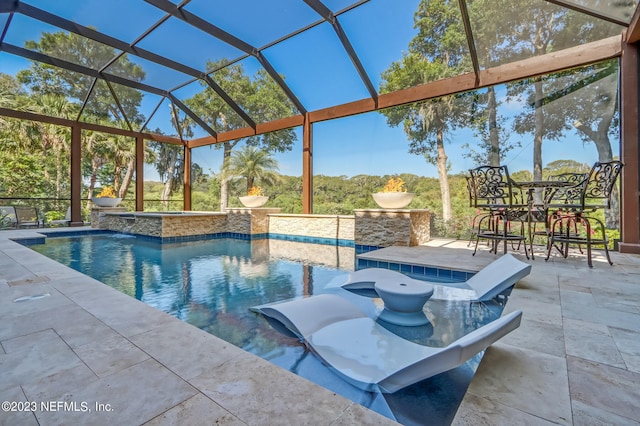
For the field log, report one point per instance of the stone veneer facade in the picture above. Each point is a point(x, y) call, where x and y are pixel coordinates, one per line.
point(380, 228)
point(249, 221)
point(161, 225)
point(319, 226)
point(97, 213)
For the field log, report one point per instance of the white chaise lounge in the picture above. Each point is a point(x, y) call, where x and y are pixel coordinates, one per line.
point(366, 354)
point(486, 284)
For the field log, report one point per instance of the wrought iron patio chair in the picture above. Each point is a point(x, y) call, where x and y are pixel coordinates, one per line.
point(480, 211)
point(553, 198)
point(503, 221)
point(573, 219)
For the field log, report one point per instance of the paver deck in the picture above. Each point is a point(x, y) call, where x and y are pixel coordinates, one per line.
point(92, 355)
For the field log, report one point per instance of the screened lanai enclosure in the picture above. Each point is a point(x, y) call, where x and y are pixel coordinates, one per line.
point(187, 105)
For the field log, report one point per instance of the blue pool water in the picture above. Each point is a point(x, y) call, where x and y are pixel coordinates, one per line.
point(213, 284)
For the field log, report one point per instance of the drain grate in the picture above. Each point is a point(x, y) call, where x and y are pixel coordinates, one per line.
point(32, 297)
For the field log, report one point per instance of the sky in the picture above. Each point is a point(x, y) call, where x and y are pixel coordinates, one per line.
point(315, 67)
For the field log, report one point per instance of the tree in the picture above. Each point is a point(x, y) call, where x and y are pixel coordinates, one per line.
point(593, 96)
point(253, 164)
point(565, 166)
point(46, 79)
point(259, 96)
point(54, 140)
point(101, 106)
point(437, 52)
point(539, 29)
point(26, 141)
point(528, 29)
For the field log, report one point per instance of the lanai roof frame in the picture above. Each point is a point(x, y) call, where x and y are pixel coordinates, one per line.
point(616, 46)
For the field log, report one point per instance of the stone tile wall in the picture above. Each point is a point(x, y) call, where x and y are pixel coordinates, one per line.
point(98, 212)
point(164, 225)
point(386, 228)
point(367, 227)
point(420, 232)
point(249, 221)
point(321, 226)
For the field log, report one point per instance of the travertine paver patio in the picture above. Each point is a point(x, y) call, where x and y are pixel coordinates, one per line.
point(574, 360)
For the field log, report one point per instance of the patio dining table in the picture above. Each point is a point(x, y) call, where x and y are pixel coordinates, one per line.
point(535, 210)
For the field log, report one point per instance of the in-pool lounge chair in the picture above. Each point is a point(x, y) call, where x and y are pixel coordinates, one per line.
point(486, 284)
point(366, 354)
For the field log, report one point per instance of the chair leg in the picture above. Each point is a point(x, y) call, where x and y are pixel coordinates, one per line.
point(606, 249)
point(587, 226)
point(473, 231)
point(550, 239)
point(553, 231)
point(571, 220)
point(478, 235)
point(476, 247)
point(604, 241)
point(575, 230)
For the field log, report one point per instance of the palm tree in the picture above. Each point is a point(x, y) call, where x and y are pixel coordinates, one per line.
point(253, 164)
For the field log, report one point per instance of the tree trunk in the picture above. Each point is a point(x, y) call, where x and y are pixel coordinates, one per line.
point(600, 138)
point(128, 177)
point(494, 149)
point(224, 181)
point(605, 154)
point(58, 177)
point(539, 131)
point(166, 190)
point(443, 178)
point(95, 165)
point(537, 138)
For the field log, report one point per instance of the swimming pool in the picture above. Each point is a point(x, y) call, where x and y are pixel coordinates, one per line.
point(212, 285)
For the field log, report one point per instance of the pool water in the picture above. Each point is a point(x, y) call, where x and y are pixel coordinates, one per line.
point(213, 284)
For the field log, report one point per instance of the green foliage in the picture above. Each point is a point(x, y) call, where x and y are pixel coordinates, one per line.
point(54, 215)
point(42, 78)
point(256, 166)
point(21, 176)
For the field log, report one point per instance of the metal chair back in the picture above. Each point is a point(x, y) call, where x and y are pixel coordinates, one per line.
point(568, 195)
point(491, 187)
point(599, 187)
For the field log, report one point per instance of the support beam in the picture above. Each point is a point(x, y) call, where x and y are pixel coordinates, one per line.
point(139, 174)
point(46, 59)
point(629, 152)
point(192, 115)
point(24, 115)
point(473, 53)
point(125, 47)
point(195, 21)
point(307, 166)
point(76, 176)
point(633, 31)
point(245, 132)
point(573, 57)
point(329, 17)
point(596, 13)
point(80, 69)
point(187, 180)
